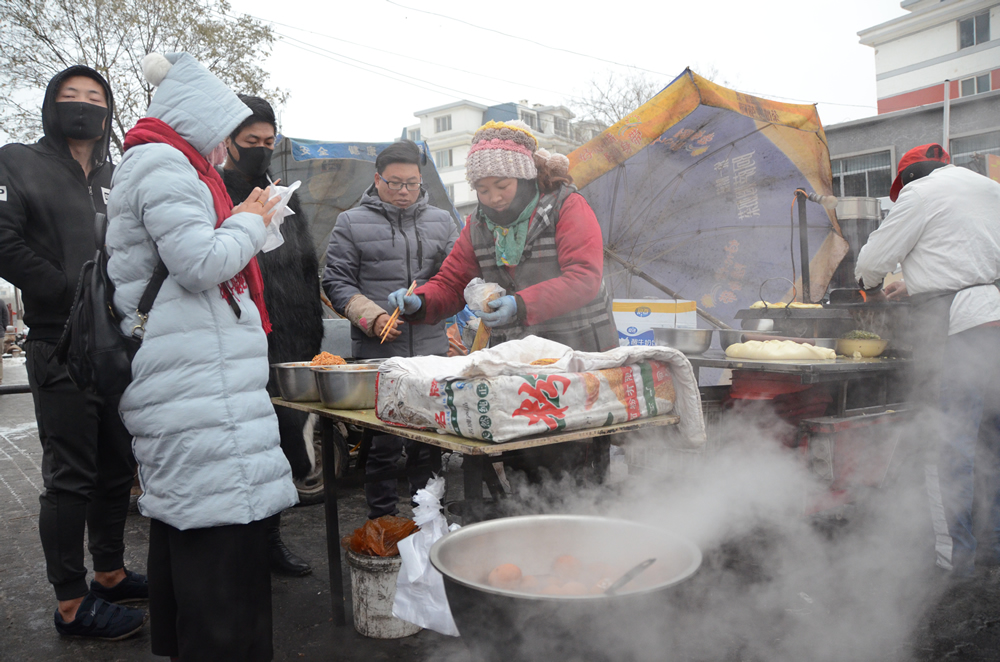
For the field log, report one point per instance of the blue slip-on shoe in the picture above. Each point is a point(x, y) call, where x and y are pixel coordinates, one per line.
point(133, 588)
point(98, 619)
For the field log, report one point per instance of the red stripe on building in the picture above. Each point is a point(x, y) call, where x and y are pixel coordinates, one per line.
point(924, 96)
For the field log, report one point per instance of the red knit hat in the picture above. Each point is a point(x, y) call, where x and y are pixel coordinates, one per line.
point(929, 152)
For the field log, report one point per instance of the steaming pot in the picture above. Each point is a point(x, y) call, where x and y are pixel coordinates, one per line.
point(505, 625)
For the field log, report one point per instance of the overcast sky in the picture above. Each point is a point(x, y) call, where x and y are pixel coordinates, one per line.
point(357, 71)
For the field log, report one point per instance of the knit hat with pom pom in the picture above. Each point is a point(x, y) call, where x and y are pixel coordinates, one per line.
point(502, 149)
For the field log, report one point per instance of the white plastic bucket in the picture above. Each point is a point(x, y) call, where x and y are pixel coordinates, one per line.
point(373, 588)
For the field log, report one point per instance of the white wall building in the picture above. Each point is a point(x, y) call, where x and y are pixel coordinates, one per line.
point(448, 132)
point(938, 40)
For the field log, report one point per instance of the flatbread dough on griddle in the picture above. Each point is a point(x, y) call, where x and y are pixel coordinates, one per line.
point(777, 349)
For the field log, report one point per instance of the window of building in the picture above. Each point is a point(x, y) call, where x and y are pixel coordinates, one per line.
point(414, 135)
point(974, 30)
point(530, 119)
point(561, 127)
point(442, 124)
point(974, 85)
point(450, 189)
point(970, 152)
point(866, 175)
point(442, 158)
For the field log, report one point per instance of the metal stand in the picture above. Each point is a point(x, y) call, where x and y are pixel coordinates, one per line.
point(804, 245)
point(328, 435)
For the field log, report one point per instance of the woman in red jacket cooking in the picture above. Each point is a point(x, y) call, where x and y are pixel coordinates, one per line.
point(535, 236)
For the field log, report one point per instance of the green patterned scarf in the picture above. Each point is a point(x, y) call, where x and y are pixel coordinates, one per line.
point(509, 240)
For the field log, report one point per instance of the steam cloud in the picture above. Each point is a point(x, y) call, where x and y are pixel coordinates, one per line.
point(776, 584)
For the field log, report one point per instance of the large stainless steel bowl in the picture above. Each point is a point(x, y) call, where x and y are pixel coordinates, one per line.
point(689, 341)
point(346, 386)
point(501, 624)
point(296, 382)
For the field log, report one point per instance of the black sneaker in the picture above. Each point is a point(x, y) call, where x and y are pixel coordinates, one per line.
point(97, 619)
point(134, 588)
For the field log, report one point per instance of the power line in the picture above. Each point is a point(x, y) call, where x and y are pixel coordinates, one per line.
point(530, 41)
point(408, 56)
point(599, 59)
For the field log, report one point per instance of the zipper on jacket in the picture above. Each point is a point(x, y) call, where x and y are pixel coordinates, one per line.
point(409, 277)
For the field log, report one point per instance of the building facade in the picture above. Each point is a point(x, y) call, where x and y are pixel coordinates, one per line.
point(937, 40)
point(914, 55)
point(448, 132)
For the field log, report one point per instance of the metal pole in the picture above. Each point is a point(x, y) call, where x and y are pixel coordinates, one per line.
point(328, 430)
point(636, 271)
point(804, 246)
point(947, 116)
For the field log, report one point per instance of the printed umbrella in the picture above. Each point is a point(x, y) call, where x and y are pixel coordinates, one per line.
point(695, 190)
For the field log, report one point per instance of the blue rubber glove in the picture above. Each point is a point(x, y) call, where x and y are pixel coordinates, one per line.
point(505, 311)
point(407, 304)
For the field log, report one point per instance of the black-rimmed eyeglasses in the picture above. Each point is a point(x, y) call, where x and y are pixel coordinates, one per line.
point(399, 186)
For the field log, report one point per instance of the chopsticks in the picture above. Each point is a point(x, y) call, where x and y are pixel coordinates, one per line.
point(391, 324)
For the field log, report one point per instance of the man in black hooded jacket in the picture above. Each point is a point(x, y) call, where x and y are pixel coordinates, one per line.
point(50, 192)
point(291, 293)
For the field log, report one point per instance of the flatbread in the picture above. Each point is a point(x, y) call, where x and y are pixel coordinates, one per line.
point(781, 304)
point(778, 349)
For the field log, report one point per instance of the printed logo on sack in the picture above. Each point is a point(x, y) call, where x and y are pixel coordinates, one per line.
point(485, 422)
point(105, 192)
point(643, 311)
point(487, 435)
point(482, 390)
point(483, 406)
point(3, 194)
point(542, 403)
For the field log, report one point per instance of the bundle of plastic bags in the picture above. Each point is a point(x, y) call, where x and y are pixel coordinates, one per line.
point(420, 597)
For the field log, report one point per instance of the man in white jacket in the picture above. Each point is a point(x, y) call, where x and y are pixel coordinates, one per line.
point(945, 232)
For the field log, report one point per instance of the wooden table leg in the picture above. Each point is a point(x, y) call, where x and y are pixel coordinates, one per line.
point(472, 487)
point(328, 434)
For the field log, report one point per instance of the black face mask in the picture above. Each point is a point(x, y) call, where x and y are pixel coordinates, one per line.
point(80, 120)
point(254, 161)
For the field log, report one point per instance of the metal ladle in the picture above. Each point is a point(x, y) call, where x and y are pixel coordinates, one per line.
point(629, 576)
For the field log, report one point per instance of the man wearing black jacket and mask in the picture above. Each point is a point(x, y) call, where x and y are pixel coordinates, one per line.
point(50, 192)
point(291, 293)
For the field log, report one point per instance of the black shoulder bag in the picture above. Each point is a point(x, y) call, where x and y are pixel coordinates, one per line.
point(97, 355)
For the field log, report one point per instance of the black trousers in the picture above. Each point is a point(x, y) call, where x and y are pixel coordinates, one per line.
point(210, 593)
point(386, 450)
point(87, 470)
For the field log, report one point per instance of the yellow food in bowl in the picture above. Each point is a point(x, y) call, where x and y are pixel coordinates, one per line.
point(864, 348)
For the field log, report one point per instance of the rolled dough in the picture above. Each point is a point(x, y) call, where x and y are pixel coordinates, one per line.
point(777, 349)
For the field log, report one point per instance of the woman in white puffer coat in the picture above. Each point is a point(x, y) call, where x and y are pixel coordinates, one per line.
point(205, 434)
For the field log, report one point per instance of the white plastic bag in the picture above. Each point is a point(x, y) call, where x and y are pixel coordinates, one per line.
point(420, 597)
point(281, 210)
point(478, 291)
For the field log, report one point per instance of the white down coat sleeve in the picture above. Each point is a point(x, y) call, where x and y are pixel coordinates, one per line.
point(172, 200)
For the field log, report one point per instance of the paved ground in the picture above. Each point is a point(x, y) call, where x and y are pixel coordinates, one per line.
point(767, 592)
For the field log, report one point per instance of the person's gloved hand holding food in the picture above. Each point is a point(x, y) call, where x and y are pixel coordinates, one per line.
point(407, 304)
point(504, 311)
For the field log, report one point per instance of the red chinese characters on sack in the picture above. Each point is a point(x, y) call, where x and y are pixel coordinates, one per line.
point(542, 403)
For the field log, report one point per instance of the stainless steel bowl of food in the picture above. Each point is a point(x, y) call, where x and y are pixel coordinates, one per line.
point(346, 386)
point(296, 382)
point(553, 608)
point(689, 341)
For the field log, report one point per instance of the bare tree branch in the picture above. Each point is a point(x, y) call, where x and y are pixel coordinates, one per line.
point(39, 38)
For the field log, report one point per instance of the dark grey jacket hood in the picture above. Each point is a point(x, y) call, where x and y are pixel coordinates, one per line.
point(54, 138)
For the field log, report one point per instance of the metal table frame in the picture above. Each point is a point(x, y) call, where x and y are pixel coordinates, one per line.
point(476, 456)
point(816, 371)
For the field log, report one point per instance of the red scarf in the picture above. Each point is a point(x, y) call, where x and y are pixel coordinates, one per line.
point(151, 130)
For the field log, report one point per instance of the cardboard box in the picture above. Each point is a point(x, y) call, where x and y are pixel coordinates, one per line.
point(635, 318)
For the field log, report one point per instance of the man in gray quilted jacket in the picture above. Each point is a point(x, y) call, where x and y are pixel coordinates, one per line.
point(392, 238)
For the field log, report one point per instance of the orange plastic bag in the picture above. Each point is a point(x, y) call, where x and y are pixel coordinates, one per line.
point(378, 537)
